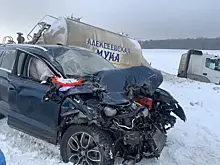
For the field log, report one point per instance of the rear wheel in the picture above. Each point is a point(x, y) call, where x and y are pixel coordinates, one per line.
point(1, 116)
point(86, 145)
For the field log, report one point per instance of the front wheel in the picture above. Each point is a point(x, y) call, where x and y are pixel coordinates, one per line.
point(1, 116)
point(87, 145)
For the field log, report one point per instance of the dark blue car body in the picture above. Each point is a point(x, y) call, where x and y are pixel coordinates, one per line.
point(21, 96)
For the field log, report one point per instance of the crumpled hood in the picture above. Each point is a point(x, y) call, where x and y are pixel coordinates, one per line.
point(117, 80)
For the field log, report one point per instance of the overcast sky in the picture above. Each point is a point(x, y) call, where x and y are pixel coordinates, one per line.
point(142, 19)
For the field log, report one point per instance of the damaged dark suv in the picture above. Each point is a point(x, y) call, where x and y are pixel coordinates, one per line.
point(75, 98)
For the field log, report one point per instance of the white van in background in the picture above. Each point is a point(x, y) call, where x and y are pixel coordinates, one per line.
point(201, 67)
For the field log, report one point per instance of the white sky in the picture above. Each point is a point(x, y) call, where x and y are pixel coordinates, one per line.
point(142, 19)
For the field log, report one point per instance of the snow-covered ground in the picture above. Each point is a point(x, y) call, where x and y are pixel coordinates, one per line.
point(195, 142)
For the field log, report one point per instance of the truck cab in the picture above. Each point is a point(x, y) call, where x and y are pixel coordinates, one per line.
point(200, 66)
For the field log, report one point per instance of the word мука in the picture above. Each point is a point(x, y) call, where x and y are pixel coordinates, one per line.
point(108, 54)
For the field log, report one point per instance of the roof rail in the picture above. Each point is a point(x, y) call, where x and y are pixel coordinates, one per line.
point(35, 46)
point(30, 46)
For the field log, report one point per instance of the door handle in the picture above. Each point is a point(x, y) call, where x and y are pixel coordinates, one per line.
point(204, 73)
point(11, 88)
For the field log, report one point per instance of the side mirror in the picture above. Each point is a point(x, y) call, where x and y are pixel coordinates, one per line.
point(43, 82)
point(47, 80)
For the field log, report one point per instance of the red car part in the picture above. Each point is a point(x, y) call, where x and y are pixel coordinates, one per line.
point(148, 102)
point(66, 82)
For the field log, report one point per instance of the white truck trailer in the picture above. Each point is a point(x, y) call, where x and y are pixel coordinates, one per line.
point(119, 49)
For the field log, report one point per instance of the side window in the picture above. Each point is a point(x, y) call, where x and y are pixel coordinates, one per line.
point(1, 56)
point(8, 60)
point(213, 64)
point(20, 63)
point(38, 69)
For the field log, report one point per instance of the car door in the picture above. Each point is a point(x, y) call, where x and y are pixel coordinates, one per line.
point(28, 112)
point(211, 70)
point(7, 60)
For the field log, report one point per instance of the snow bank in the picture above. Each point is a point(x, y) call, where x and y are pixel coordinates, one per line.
point(195, 142)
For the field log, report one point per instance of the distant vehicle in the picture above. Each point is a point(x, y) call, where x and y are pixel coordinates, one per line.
point(198, 66)
point(72, 97)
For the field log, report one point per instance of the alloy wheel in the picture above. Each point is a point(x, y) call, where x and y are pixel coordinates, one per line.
point(83, 150)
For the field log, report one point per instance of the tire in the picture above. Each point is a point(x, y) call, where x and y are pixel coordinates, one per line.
point(1, 116)
point(102, 141)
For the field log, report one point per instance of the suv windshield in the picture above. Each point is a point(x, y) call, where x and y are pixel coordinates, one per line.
point(81, 63)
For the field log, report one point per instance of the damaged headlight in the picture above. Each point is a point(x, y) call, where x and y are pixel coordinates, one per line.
point(134, 106)
point(144, 113)
point(110, 111)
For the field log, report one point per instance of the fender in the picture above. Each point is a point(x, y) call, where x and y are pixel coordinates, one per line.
point(71, 107)
point(170, 103)
point(72, 112)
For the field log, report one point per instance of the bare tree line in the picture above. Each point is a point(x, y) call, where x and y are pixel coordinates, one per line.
point(188, 43)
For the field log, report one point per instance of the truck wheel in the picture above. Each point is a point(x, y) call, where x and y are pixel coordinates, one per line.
point(86, 145)
point(1, 116)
